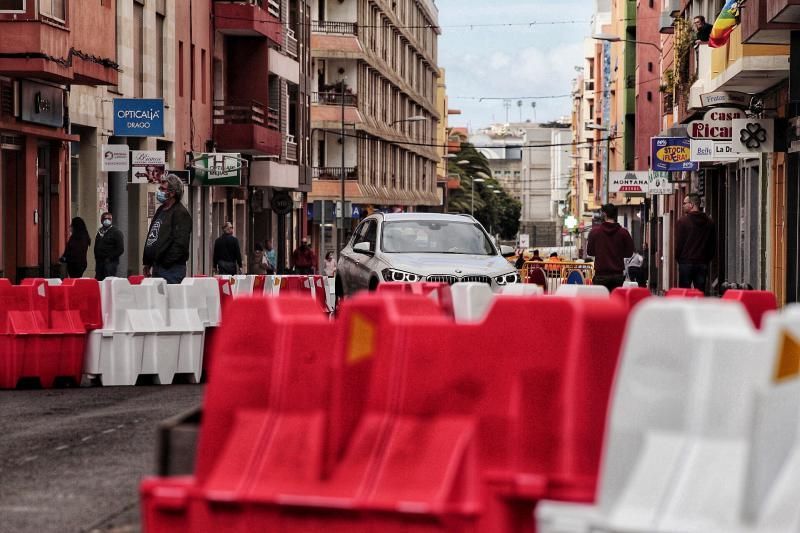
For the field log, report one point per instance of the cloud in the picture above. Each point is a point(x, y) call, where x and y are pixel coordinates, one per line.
point(499, 60)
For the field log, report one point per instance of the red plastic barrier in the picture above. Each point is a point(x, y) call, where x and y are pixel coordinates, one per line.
point(630, 296)
point(684, 293)
point(757, 303)
point(440, 292)
point(295, 284)
point(40, 337)
point(136, 280)
point(395, 418)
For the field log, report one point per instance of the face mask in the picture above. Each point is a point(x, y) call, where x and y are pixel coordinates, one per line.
point(161, 196)
point(106, 223)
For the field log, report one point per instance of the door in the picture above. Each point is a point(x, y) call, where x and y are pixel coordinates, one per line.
point(364, 265)
point(349, 260)
point(10, 176)
point(44, 214)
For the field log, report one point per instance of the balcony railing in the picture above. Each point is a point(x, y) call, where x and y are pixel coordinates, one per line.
point(290, 148)
point(251, 112)
point(334, 98)
point(330, 26)
point(334, 173)
point(290, 43)
point(273, 8)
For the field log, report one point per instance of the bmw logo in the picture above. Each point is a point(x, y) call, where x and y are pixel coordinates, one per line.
point(458, 271)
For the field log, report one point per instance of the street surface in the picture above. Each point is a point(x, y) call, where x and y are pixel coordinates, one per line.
point(71, 459)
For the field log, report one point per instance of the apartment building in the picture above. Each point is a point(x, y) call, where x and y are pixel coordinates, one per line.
point(57, 47)
point(374, 114)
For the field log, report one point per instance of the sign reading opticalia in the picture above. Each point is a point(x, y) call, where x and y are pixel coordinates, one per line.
point(115, 158)
point(659, 183)
point(219, 169)
point(147, 166)
point(725, 98)
point(716, 124)
point(671, 154)
point(754, 135)
point(628, 181)
point(139, 117)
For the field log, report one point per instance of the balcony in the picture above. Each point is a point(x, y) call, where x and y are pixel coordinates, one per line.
point(334, 98)
point(785, 11)
point(757, 28)
point(247, 127)
point(748, 68)
point(334, 27)
point(290, 43)
point(334, 173)
point(249, 18)
point(588, 166)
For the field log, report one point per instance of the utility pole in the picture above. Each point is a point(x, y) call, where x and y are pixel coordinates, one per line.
point(342, 176)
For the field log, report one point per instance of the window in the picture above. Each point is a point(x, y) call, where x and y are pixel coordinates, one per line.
point(203, 75)
point(12, 6)
point(191, 73)
point(138, 50)
point(159, 54)
point(56, 9)
point(180, 69)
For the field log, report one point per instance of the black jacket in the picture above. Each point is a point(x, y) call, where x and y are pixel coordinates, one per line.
point(609, 244)
point(695, 239)
point(75, 252)
point(109, 245)
point(167, 242)
point(226, 248)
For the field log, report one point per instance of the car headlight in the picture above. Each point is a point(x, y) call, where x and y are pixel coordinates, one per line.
point(390, 274)
point(505, 279)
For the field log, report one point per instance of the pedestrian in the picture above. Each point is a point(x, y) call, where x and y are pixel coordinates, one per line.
point(520, 262)
point(609, 244)
point(695, 244)
point(166, 249)
point(77, 246)
point(108, 247)
point(303, 258)
point(634, 270)
point(227, 258)
point(702, 30)
point(259, 264)
point(536, 256)
point(330, 265)
point(272, 258)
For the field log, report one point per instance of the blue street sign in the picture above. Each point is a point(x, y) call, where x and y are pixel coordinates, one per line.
point(671, 154)
point(356, 212)
point(138, 117)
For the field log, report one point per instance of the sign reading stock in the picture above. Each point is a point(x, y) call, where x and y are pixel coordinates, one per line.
point(671, 154)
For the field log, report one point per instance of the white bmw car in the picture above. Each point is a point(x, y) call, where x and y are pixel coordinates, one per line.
point(421, 247)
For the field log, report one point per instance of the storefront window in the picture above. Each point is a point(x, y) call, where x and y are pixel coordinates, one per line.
point(56, 9)
point(12, 6)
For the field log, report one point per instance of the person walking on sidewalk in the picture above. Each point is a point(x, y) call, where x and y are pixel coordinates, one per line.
point(227, 252)
point(609, 244)
point(303, 258)
point(109, 244)
point(694, 244)
point(78, 244)
point(166, 249)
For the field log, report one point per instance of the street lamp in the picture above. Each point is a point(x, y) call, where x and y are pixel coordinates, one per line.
point(472, 196)
point(598, 127)
point(617, 39)
point(342, 177)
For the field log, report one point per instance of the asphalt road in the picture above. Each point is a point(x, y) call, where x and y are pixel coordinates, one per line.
point(71, 459)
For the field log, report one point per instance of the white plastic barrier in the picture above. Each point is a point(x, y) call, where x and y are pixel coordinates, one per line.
point(242, 285)
point(521, 289)
point(630, 284)
point(471, 301)
point(582, 291)
point(680, 432)
point(151, 328)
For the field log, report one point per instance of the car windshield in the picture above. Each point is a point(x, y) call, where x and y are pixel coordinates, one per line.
point(435, 237)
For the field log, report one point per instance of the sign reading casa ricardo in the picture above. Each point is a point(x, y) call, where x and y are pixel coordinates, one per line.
point(632, 182)
point(716, 124)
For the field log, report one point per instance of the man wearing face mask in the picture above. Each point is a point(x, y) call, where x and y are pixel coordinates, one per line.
point(166, 249)
point(108, 247)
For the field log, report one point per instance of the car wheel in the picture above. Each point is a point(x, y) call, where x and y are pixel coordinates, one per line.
point(373, 284)
point(338, 292)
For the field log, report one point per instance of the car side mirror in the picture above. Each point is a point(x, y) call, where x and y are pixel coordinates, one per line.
point(363, 247)
point(506, 251)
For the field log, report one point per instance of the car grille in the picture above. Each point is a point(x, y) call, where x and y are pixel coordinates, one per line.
point(450, 278)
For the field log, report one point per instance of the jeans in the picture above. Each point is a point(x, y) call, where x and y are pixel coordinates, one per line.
point(689, 275)
point(174, 274)
point(610, 282)
point(106, 269)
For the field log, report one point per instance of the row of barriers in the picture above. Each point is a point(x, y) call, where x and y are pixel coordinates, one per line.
point(115, 331)
point(431, 408)
point(551, 274)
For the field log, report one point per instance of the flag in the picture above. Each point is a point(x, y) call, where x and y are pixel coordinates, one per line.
point(726, 21)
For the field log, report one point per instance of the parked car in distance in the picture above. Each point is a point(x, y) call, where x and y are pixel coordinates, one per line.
point(409, 247)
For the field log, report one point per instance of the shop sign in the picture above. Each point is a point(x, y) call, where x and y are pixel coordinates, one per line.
point(754, 136)
point(219, 169)
point(794, 135)
point(42, 104)
point(671, 154)
point(725, 98)
point(704, 150)
point(139, 117)
point(658, 183)
point(281, 203)
point(147, 166)
point(716, 124)
point(115, 158)
point(632, 182)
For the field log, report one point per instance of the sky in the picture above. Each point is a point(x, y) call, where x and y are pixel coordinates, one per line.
point(510, 61)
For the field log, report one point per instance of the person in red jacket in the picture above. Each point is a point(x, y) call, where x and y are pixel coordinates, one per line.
point(304, 260)
point(609, 244)
point(695, 244)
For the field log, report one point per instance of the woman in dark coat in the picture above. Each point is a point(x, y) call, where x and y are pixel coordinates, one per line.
point(77, 246)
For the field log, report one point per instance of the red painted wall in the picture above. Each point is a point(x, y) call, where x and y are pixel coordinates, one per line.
point(246, 69)
point(648, 79)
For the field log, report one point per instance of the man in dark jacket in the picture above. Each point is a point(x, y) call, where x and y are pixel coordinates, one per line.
point(695, 244)
point(108, 247)
point(609, 244)
point(304, 259)
point(227, 253)
point(166, 249)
